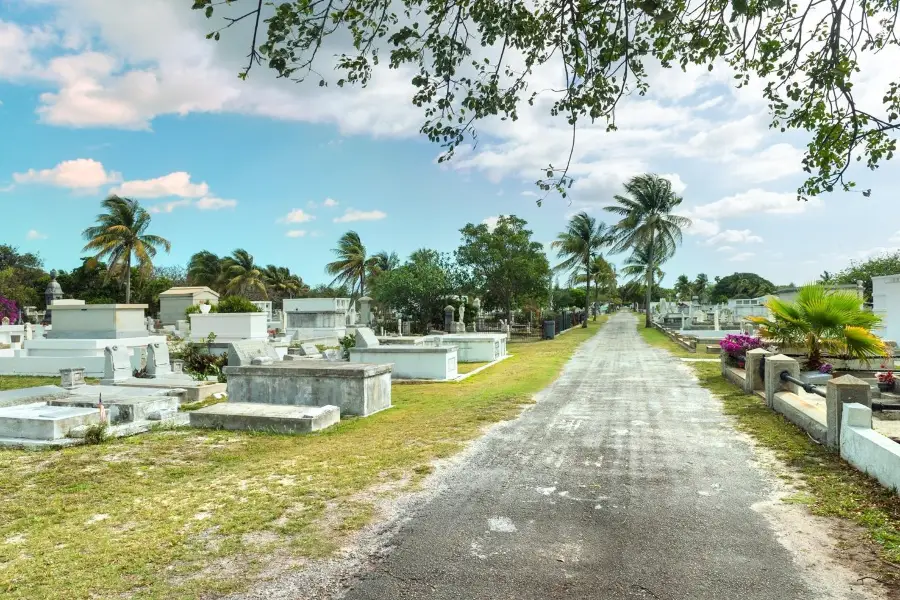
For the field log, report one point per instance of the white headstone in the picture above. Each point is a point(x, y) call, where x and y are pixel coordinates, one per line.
point(333, 355)
point(29, 331)
point(309, 349)
point(365, 338)
point(241, 353)
point(117, 364)
point(158, 364)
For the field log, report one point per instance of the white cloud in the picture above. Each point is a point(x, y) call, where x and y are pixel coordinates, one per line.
point(7, 188)
point(79, 174)
point(491, 222)
point(753, 202)
point(34, 234)
point(725, 249)
point(213, 203)
point(742, 256)
point(702, 227)
point(330, 203)
point(734, 236)
point(173, 184)
point(352, 215)
point(296, 233)
point(298, 215)
point(167, 207)
point(767, 165)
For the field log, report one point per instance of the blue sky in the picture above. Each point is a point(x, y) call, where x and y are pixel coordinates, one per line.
point(95, 99)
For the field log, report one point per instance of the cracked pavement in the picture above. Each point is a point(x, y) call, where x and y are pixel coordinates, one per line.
point(625, 481)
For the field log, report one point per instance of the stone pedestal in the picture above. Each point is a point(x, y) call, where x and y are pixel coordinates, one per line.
point(71, 378)
point(838, 392)
point(754, 380)
point(775, 365)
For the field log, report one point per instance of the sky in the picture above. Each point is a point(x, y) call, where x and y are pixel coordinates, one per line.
point(128, 97)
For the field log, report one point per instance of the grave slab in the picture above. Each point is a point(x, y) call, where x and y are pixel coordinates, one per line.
point(40, 421)
point(274, 418)
point(365, 338)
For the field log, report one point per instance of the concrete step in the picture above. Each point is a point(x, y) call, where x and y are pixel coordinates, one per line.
point(40, 421)
point(274, 418)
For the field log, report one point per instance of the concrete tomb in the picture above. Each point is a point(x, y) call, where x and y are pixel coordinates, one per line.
point(320, 319)
point(473, 347)
point(410, 362)
point(272, 418)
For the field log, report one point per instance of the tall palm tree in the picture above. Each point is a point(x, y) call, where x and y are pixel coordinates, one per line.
point(603, 274)
point(683, 287)
point(824, 321)
point(641, 261)
point(351, 265)
point(647, 222)
point(120, 233)
point(205, 268)
point(282, 282)
point(241, 275)
point(577, 246)
point(382, 262)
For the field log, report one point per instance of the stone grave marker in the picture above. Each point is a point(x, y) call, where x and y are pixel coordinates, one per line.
point(333, 355)
point(242, 353)
point(309, 350)
point(365, 338)
point(116, 365)
point(158, 364)
point(71, 378)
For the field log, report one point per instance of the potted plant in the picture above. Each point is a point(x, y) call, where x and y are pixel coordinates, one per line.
point(204, 307)
point(886, 381)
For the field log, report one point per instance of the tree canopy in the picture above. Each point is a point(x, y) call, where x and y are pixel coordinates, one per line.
point(741, 285)
point(476, 60)
point(884, 264)
point(418, 289)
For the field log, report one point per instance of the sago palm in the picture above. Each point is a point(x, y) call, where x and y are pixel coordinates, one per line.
point(352, 263)
point(647, 222)
point(241, 275)
point(577, 246)
point(824, 321)
point(205, 268)
point(120, 233)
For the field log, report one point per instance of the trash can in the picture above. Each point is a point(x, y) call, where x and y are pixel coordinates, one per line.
point(549, 329)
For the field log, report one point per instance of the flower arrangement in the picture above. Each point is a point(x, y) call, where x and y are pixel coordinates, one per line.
point(826, 368)
point(9, 309)
point(886, 377)
point(737, 345)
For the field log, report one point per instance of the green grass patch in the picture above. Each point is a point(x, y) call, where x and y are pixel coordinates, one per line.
point(463, 368)
point(828, 485)
point(658, 339)
point(182, 513)
point(208, 401)
point(15, 382)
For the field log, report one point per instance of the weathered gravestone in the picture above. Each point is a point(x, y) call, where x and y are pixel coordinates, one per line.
point(4, 321)
point(333, 355)
point(309, 350)
point(242, 352)
point(365, 338)
point(116, 365)
point(158, 364)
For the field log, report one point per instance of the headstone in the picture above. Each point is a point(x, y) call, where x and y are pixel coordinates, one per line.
point(117, 364)
point(462, 313)
point(365, 310)
point(407, 328)
point(448, 318)
point(242, 352)
point(716, 320)
point(399, 326)
point(29, 331)
point(261, 360)
point(158, 360)
point(333, 355)
point(365, 338)
point(71, 378)
point(177, 367)
point(149, 323)
point(309, 350)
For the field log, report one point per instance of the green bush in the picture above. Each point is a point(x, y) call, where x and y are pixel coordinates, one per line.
point(200, 362)
point(96, 434)
point(236, 304)
point(347, 342)
point(194, 309)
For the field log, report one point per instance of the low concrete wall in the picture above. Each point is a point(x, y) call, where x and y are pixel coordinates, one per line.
point(473, 347)
point(868, 450)
point(734, 375)
point(811, 418)
point(686, 343)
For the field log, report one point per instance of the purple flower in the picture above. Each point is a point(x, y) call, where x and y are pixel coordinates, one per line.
point(737, 345)
point(9, 309)
point(826, 368)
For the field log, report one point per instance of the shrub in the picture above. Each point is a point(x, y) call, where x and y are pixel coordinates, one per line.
point(347, 342)
point(140, 373)
point(200, 362)
point(96, 434)
point(826, 368)
point(9, 309)
point(236, 304)
point(737, 345)
point(194, 309)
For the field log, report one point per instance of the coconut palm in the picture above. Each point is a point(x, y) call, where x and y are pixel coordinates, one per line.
point(241, 275)
point(577, 246)
point(120, 233)
point(683, 287)
point(823, 320)
point(647, 222)
point(205, 268)
point(641, 261)
point(382, 262)
point(282, 283)
point(602, 274)
point(351, 265)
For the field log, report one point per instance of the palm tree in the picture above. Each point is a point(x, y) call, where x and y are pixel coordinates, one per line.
point(823, 321)
point(121, 232)
point(647, 222)
point(641, 261)
point(241, 275)
point(205, 268)
point(701, 286)
point(577, 246)
point(352, 263)
point(602, 274)
point(683, 287)
point(282, 282)
point(382, 262)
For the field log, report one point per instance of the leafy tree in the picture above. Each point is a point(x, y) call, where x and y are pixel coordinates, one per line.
point(577, 246)
point(885, 264)
point(242, 276)
point(603, 274)
point(472, 61)
point(418, 289)
point(120, 233)
point(504, 264)
point(741, 285)
point(206, 268)
point(327, 291)
point(648, 226)
point(22, 276)
point(281, 283)
point(823, 321)
point(683, 287)
point(89, 282)
point(352, 264)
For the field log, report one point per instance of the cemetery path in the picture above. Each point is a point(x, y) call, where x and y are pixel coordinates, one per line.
point(625, 481)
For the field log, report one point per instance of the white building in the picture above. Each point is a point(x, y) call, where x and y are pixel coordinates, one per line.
point(886, 304)
point(174, 301)
point(316, 318)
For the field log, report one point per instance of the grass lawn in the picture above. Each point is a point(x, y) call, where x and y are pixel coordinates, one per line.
point(657, 338)
point(14, 382)
point(184, 513)
point(828, 485)
point(463, 368)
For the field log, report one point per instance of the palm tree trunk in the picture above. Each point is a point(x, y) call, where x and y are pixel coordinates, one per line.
point(587, 290)
point(650, 268)
point(128, 277)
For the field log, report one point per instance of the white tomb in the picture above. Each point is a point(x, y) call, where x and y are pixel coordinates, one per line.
point(473, 347)
point(886, 304)
point(322, 319)
point(79, 337)
point(409, 362)
point(229, 327)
